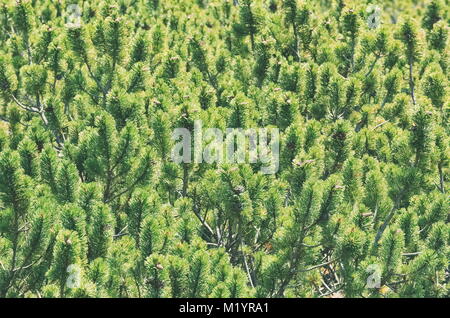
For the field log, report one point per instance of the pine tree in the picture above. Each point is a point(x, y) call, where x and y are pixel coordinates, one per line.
point(250, 21)
point(408, 36)
point(92, 204)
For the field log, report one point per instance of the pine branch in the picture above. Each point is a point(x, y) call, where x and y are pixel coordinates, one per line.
point(317, 266)
point(24, 107)
point(384, 225)
point(372, 66)
point(411, 82)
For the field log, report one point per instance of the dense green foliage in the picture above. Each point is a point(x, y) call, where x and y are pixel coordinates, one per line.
point(92, 206)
